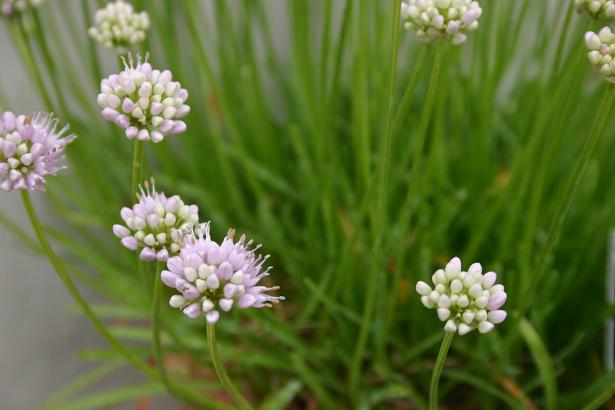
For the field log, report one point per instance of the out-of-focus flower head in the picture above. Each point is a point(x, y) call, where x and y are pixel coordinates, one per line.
point(146, 103)
point(117, 25)
point(596, 9)
point(154, 225)
point(30, 149)
point(211, 276)
point(464, 300)
point(11, 7)
point(434, 19)
point(602, 52)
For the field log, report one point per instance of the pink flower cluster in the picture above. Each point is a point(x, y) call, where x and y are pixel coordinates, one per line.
point(30, 149)
point(211, 276)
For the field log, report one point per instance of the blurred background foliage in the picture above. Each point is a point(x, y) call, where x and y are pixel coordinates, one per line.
point(287, 142)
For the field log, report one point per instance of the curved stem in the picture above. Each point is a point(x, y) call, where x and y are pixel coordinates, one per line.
point(186, 394)
point(228, 385)
point(68, 282)
point(137, 168)
point(437, 370)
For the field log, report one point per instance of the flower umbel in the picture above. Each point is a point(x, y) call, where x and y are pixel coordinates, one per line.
point(117, 25)
point(464, 300)
point(602, 52)
point(597, 9)
point(155, 223)
point(434, 19)
point(11, 7)
point(30, 149)
point(146, 103)
point(211, 276)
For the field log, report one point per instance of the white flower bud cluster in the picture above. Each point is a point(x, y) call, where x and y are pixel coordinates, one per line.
point(146, 103)
point(117, 25)
point(464, 300)
point(597, 9)
point(602, 52)
point(155, 224)
point(10, 7)
point(434, 19)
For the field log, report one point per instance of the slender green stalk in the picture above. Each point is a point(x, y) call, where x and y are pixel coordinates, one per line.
point(437, 370)
point(49, 62)
point(137, 175)
point(228, 385)
point(93, 54)
point(68, 282)
point(406, 100)
point(185, 394)
point(380, 214)
point(156, 344)
point(425, 118)
point(156, 339)
point(137, 168)
point(567, 196)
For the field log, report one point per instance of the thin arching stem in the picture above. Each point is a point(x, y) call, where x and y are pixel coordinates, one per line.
point(185, 394)
point(228, 385)
point(72, 289)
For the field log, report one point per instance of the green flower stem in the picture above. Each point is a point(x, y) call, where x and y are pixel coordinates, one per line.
point(137, 168)
point(46, 57)
point(86, 13)
point(568, 195)
point(68, 282)
point(184, 393)
point(228, 385)
point(379, 214)
point(137, 175)
point(437, 370)
point(156, 344)
point(414, 178)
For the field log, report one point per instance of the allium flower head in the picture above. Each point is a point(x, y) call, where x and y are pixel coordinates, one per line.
point(434, 19)
point(602, 52)
point(464, 300)
point(597, 9)
point(146, 103)
point(154, 224)
point(11, 7)
point(117, 25)
point(211, 276)
point(30, 149)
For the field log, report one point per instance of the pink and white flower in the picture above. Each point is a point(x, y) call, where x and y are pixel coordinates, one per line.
point(211, 277)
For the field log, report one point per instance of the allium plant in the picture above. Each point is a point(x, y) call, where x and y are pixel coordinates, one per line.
point(434, 19)
point(212, 276)
point(118, 25)
point(11, 7)
point(601, 53)
point(351, 159)
point(146, 103)
point(464, 300)
point(154, 225)
point(31, 148)
point(597, 9)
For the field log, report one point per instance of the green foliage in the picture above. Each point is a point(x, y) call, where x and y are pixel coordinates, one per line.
point(292, 139)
